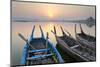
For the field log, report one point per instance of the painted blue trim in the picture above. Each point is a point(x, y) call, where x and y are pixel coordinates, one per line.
point(40, 50)
point(39, 57)
point(24, 55)
point(57, 53)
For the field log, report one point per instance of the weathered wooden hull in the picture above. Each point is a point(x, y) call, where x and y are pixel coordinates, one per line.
point(66, 49)
point(86, 43)
point(66, 57)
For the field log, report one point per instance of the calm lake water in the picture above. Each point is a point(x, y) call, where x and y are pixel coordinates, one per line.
point(25, 28)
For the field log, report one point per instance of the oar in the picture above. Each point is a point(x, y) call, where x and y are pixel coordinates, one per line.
point(23, 38)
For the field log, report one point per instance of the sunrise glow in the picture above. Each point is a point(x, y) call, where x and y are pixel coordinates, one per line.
point(50, 12)
point(50, 15)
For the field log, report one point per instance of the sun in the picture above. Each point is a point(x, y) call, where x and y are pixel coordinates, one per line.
point(50, 12)
point(50, 15)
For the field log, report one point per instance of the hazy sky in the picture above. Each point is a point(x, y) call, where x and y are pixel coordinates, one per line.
point(44, 12)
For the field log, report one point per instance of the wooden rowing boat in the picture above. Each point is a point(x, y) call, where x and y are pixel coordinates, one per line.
point(39, 51)
point(87, 41)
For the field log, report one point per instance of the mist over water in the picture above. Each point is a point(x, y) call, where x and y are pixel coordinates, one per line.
point(25, 28)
